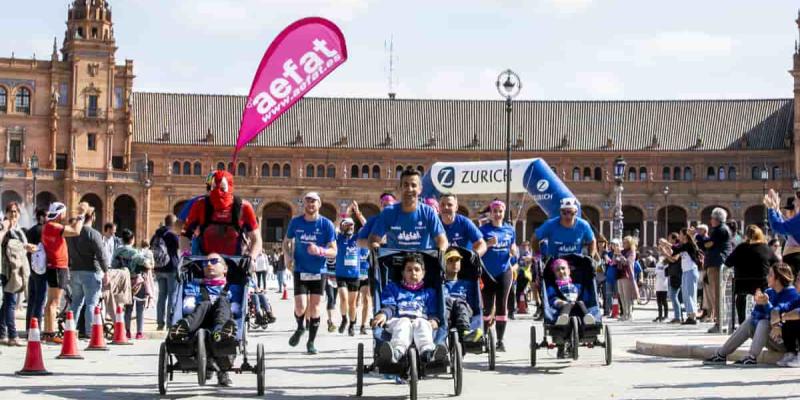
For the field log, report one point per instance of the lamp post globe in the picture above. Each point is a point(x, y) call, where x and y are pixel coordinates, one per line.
point(508, 85)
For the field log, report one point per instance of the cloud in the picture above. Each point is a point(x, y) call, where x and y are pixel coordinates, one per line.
point(687, 44)
point(599, 84)
point(569, 6)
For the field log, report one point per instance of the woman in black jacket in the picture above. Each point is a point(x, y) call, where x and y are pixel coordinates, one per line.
point(751, 260)
point(674, 274)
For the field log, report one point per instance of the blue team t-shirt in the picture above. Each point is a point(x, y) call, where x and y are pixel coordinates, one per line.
point(319, 232)
point(562, 241)
point(347, 262)
point(408, 231)
point(365, 230)
point(462, 232)
point(363, 259)
point(497, 259)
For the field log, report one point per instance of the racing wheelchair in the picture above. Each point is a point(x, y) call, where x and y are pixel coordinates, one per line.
point(199, 353)
point(387, 266)
point(569, 338)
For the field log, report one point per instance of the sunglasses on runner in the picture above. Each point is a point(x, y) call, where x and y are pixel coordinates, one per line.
point(211, 261)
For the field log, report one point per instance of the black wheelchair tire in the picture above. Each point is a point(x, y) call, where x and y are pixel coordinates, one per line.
point(360, 371)
point(201, 356)
point(575, 338)
point(534, 346)
point(413, 374)
point(607, 338)
point(491, 347)
point(456, 364)
point(163, 369)
point(260, 369)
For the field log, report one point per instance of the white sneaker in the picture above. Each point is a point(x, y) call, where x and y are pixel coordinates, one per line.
point(784, 361)
point(563, 319)
point(794, 362)
point(588, 320)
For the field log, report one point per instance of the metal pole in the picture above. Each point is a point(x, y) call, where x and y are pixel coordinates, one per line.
point(666, 215)
point(766, 218)
point(508, 159)
point(34, 192)
point(618, 217)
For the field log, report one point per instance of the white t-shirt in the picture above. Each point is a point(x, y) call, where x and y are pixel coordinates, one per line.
point(661, 276)
point(261, 263)
point(687, 264)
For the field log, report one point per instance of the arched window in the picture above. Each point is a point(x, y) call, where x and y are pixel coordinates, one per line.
point(398, 171)
point(731, 173)
point(576, 174)
point(276, 169)
point(176, 168)
point(220, 166)
point(320, 171)
point(331, 171)
point(230, 168)
point(722, 175)
point(241, 170)
point(3, 99)
point(287, 171)
point(376, 172)
point(755, 173)
point(711, 174)
point(666, 174)
point(632, 174)
point(365, 172)
point(187, 168)
point(354, 171)
point(598, 174)
point(688, 175)
point(309, 171)
point(587, 174)
point(22, 102)
point(421, 169)
point(676, 174)
point(264, 170)
point(642, 174)
point(198, 168)
point(776, 173)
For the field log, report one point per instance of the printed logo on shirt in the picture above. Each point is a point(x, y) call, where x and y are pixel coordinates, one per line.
point(308, 237)
point(404, 236)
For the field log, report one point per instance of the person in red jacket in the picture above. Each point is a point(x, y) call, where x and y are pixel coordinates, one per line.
point(225, 224)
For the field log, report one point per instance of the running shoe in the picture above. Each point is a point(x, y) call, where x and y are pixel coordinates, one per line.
point(784, 361)
point(385, 354)
point(351, 330)
point(690, 321)
point(179, 332)
point(716, 359)
point(440, 353)
point(747, 361)
point(139, 335)
point(271, 317)
point(295, 339)
point(223, 379)
point(226, 333)
point(563, 319)
point(331, 327)
point(342, 327)
point(363, 330)
point(500, 347)
point(474, 335)
point(793, 363)
point(310, 348)
point(588, 320)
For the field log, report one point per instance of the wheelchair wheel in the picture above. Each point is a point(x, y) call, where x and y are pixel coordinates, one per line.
point(108, 330)
point(360, 371)
point(574, 341)
point(607, 339)
point(456, 363)
point(201, 357)
point(534, 346)
point(413, 374)
point(491, 348)
point(163, 369)
point(260, 369)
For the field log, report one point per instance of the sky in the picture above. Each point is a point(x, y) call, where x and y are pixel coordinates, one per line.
point(561, 49)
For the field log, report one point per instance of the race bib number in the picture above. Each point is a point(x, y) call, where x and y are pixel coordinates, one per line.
point(351, 261)
point(305, 276)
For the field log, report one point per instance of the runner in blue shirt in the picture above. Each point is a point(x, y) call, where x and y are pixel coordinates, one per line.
point(459, 229)
point(566, 234)
point(348, 268)
point(498, 275)
point(310, 239)
point(409, 225)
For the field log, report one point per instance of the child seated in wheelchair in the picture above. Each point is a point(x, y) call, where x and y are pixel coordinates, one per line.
point(460, 307)
point(207, 303)
point(263, 310)
point(565, 296)
point(408, 312)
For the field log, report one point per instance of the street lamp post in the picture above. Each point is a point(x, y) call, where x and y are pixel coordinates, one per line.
point(666, 211)
point(509, 86)
point(619, 176)
point(764, 178)
point(33, 164)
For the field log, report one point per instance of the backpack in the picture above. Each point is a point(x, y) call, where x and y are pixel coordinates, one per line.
point(160, 252)
point(228, 233)
point(39, 260)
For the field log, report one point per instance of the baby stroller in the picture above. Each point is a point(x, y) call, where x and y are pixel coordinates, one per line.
point(471, 268)
point(387, 266)
point(568, 338)
point(200, 353)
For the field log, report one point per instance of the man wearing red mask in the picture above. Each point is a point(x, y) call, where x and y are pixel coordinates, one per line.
point(223, 220)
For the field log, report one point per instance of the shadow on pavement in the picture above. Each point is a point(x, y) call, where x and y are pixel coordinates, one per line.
point(700, 385)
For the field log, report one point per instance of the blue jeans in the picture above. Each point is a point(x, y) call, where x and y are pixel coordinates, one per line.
point(86, 287)
point(611, 290)
point(37, 293)
point(167, 287)
point(281, 276)
point(689, 289)
point(7, 323)
point(676, 305)
point(139, 304)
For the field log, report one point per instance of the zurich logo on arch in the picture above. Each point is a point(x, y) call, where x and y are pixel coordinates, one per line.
point(542, 185)
point(447, 177)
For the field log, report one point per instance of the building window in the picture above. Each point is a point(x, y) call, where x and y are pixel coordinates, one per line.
point(776, 173)
point(688, 175)
point(91, 109)
point(241, 170)
point(755, 173)
point(642, 174)
point(230, 168)
point(711, 174)
point(331, 172)
point(320, 171)
point(187, 168)
point(354, 171)
point(119, 100)
point(365, 172)
point(264, 170)
point(309, 171)
point(198, 168)
point(61, 161)
point(287, 170)
point(576, 174)
point(398, 171)
point(3, 99)
point(632, 174)
point(276, 170)
point(587, 174)
point(22, 103)
point(15, 152)
point(176, 168)
point(598, 174)
point(676, 174)
point(731, 173)
point(151, 166)
point(94, 33)
point(91, 141)
point(666, 173)
point(376, 172)
point(722, 174)
point(117, 162)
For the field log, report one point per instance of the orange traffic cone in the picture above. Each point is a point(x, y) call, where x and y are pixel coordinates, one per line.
point(69, 348)
point(615, 308)
point(34, 364)
point(119, 329)
point(98, 341)
point(285, 295)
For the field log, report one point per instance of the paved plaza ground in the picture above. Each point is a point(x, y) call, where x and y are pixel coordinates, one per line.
point(129, 372)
